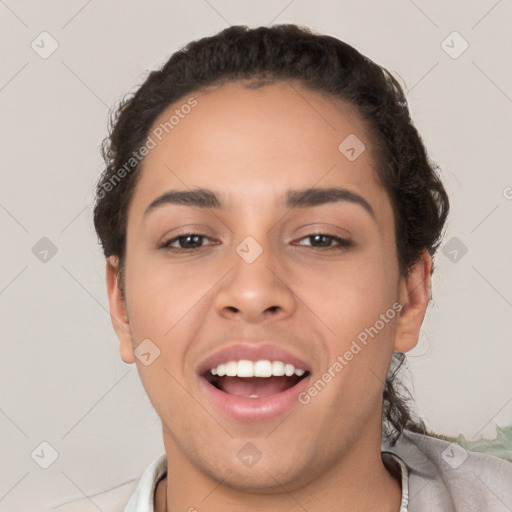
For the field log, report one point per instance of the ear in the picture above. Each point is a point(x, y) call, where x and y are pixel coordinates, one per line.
point(414, 295)
point(118, 313)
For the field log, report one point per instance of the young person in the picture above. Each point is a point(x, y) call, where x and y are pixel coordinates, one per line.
point(269, 216)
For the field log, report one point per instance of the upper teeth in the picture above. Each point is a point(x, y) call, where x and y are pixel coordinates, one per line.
point(263, 368)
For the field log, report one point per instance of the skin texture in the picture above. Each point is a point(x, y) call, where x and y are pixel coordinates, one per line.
point(251, 146)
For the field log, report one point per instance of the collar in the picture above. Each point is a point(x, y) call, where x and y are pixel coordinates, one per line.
point(389, 459)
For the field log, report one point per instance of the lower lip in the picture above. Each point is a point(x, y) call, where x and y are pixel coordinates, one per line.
point(253, 410)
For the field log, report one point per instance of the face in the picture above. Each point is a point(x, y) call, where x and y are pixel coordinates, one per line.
point(254, 274)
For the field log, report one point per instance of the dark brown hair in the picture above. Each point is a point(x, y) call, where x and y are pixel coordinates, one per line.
point(320, 63)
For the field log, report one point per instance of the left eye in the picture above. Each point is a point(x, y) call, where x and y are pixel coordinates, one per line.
point(324, 241)
point(192, 241)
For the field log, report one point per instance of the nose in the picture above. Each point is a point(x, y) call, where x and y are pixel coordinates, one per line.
point(257, 290)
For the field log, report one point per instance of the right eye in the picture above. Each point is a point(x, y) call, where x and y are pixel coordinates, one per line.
point(187, 242)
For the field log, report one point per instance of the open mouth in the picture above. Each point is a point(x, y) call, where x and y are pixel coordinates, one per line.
point(256, 379)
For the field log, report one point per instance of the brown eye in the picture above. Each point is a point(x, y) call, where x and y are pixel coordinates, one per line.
point(186, 242)
point(324, 240)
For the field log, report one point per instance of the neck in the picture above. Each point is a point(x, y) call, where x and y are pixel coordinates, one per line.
point(357, 481)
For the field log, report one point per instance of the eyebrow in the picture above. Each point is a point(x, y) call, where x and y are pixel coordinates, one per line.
point(303, 198)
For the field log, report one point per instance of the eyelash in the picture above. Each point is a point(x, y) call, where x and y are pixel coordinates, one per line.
point(342, 242)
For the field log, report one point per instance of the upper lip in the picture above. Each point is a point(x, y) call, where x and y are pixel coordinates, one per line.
point(250, 352)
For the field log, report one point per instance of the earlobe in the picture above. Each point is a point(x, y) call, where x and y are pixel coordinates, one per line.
point(414, 297)
point(118, 314)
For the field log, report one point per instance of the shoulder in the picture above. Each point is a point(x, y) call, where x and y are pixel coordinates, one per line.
point(135, 495)
point(113, 499)
point(445, 476)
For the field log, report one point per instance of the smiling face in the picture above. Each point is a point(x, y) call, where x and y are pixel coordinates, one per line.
point(248, 263)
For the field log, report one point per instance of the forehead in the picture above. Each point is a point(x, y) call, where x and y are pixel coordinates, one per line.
point(250, 144)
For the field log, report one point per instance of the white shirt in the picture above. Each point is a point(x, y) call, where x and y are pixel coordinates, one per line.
point(437, 476)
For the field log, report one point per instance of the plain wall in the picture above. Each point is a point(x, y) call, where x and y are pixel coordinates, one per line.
point(62, 380)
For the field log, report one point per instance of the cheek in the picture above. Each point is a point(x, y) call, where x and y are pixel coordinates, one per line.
point(351, 294)
point(168, 304)
point(159, 294)
point(356, 304)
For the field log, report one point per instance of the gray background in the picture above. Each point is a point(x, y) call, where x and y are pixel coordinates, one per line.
point(62, 380)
